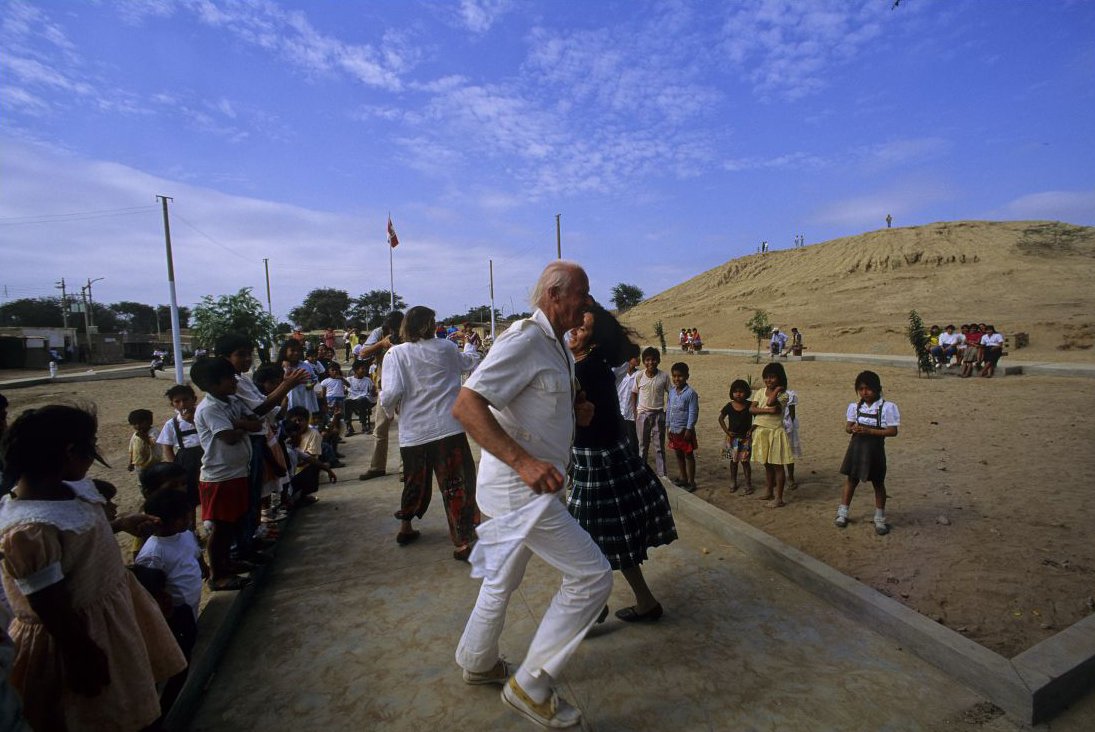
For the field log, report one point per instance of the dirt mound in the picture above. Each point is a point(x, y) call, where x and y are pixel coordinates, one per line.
point(854, 294)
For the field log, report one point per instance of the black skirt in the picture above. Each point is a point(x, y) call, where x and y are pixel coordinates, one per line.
point(865, 459)
point(618, 499)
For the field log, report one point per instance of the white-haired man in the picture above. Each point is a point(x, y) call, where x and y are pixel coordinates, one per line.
point(520, 406)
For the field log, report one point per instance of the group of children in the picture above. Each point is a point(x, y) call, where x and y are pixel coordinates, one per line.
point(974, 347)
point(760, 428)
point(690, 340)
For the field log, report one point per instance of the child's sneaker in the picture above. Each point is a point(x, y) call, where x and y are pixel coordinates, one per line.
point(497, 674)
point(881, 527)
point(841, 517)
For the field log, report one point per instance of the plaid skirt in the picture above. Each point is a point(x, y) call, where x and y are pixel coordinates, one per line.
point(618, 499)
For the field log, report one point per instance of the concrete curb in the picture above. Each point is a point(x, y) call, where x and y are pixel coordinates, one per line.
point(1032, 687)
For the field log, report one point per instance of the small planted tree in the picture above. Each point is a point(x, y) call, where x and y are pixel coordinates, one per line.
point(659, 331)
point(759, 326)
point(240, 313)
point(918, 337)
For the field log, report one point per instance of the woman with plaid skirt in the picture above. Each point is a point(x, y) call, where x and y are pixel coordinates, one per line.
point(614, 494)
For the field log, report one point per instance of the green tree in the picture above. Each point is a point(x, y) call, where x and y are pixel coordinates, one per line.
point(625, 296)
point(479, 314)
point(322, 308)
point(41, 312)
point(759, 326)
point(135, 317)
point(163, 317)
point(918, 337)
point(239, 313)
point(368, 310)
point(659, 331)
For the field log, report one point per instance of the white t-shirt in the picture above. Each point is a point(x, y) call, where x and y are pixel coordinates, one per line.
point(177, 557)
point(421, 381)
point(996, 339)
point(248, 393)
point(221, 461)
point(867, 414)
point(949, 339)
point(333, 387)
point(651, 390)
point(169, 437)
point(362, 388)
point(625, 385)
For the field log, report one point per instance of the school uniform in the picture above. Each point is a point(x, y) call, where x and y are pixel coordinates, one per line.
point(865, 459)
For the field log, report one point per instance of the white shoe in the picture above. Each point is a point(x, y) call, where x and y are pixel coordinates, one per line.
point(552, 713)
point(497, 674)
point(881, 527)
point(841, 521)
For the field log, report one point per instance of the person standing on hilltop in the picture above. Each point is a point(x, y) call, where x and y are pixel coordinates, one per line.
point(889, 220)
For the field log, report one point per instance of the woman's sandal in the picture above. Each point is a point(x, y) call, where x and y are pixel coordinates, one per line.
point(462, 553)
point(632, 615)
point(406, 538)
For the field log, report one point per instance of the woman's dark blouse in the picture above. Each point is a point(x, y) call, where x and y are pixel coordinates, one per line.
point(599, 384)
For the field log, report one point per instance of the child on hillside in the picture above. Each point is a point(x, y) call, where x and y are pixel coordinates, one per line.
point(90, 642)
point(770, 444)
point(790, 426)
point(179, 440)
point(650, 393)
point(681, 416)
point(870, 421)
point(173, 549)
point(736, 422)
point(223, 425)
point(142, 451)
point(361, 398)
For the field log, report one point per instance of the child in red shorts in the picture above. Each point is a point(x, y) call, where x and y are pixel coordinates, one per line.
point(681, 416)
point(223, 424)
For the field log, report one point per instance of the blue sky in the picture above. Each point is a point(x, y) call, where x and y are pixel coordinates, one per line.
point(671, 136)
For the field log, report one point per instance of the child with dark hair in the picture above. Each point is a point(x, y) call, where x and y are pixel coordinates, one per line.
point(142, 452)
point(736, 422)
point(173, 549)
point(361, 398)
point(870, 421)
point(650, 393)
point(305, 445)
point(162, 476)
point(179, 441)
point(302, 393)
point(681, 415)
point(223, 424)
point(90, 642)
point(771, 446)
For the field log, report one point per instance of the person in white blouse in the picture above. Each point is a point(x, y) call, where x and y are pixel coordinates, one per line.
point(421, 381)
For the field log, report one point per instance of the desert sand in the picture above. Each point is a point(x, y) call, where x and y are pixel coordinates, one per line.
point(990, 488)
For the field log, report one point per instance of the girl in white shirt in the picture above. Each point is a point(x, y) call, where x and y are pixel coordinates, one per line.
point(870, 421)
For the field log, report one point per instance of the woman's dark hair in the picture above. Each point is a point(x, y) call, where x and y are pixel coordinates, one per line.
point(392, 322)
point(229, 343)
point(154, 476)
point(36, 442)
point(612, 339)
point(741, 385)
point(869, 379)
point(208, 372)
point(418, 325)
point(776, 369)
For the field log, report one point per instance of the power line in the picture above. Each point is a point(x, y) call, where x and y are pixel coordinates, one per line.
point(214, 241)
point(74, 216)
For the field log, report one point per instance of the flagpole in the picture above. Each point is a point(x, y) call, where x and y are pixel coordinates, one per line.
point(391, 263)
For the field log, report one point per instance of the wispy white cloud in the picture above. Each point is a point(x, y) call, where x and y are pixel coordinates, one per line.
point(479, 15)
point(903, 199)
point(786, 48)
point(794, 160)
point(1077, 207)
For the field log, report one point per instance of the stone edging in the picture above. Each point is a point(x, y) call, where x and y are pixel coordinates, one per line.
point(1032, 687)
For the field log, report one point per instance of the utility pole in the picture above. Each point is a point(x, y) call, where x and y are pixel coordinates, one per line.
point(64, 301)
point(90, 302)
point(176, 337)
point(492, 322)
point(87, 327)
point(558, 238)
point(269, 305)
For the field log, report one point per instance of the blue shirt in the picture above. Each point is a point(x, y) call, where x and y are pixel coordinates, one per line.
point(683, 410)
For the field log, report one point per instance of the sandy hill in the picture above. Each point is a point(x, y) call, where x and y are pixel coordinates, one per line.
point(854, 294)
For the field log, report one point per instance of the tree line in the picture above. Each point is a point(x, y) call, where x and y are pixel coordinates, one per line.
point(132, 317)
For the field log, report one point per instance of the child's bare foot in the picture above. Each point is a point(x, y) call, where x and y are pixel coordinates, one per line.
point(776, 504)
point(766, 497)
point(792, 485)
point(733, 487)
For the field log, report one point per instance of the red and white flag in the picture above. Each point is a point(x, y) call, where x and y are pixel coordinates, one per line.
point(393, 240)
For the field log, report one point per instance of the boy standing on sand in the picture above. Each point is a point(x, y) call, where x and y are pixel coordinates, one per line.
point(649, 395)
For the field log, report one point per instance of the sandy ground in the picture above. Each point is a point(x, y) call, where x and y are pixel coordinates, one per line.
point(990, 500)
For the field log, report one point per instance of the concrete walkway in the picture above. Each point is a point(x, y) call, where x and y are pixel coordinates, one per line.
point(349, 631)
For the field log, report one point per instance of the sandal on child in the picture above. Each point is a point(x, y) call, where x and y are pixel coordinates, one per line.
point(406, 538)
